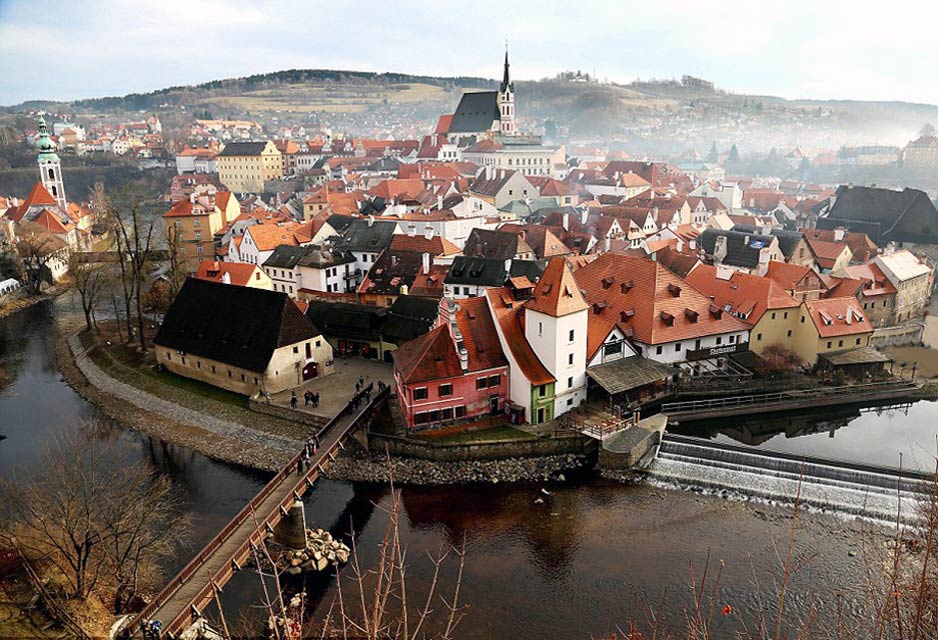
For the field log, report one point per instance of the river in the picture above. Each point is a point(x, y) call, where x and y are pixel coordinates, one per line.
point(595, 554)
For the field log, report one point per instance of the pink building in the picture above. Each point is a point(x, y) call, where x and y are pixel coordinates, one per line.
point(456, 372)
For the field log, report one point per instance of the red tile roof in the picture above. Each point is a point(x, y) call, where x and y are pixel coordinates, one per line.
point(747, 295)
point(649, 302)
point(435, 246)
point(557, 293)
point(240, 273)
point(507, 314)
point(837, 317)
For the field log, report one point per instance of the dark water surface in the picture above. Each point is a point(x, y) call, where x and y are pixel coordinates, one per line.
point(592, 556)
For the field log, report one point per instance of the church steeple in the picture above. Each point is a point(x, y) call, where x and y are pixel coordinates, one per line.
point(50, 167)
point(506, 101)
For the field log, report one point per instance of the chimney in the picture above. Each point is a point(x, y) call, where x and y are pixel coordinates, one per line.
point(426, 262)
point(566, 221)
point(371, 221)
point(225, 278)
point(839, 233)
point(607, 244)
point(412, 230)
point(693, 245)
point(680, 245)
point(439, 201)
point(719, 249)
point(724, 272)
point(428, 232)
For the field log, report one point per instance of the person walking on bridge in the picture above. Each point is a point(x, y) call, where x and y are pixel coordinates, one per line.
point(293, 399)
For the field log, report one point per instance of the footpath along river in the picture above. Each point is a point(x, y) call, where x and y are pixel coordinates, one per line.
point(592, 556)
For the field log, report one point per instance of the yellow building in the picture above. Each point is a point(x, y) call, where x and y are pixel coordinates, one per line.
point(760, 302)
point(244, 167)
point(829, 325)
point(195, 220)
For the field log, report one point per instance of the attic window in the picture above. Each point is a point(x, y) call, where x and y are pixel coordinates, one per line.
point(674, 290)
point(625, 287)
point(470, 315)
point(716, 311)
point(667, 318)
point(626, 315)
point(691, 315)
point(608, 281)
point(547, 288)
point(598, 307)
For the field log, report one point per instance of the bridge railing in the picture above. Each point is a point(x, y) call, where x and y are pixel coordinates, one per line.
point(770, 398)
point(249, 511)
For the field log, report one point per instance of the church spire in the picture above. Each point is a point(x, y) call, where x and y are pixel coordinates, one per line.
point(506, 81)
point(50, 167)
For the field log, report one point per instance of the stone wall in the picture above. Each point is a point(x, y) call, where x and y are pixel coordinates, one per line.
point(285, 413)
point(906, 335)
point(574, 443)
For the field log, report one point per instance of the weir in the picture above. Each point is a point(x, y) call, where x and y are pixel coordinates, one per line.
point(861, 490)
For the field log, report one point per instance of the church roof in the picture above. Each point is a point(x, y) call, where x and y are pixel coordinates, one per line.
point(476, 112)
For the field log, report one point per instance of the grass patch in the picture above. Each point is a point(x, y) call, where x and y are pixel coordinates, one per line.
point(503, 432)
point(197, 387)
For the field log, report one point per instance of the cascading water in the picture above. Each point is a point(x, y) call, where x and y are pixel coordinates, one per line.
point(863, 491)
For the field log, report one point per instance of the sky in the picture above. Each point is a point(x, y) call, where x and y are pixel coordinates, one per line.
point(820, 49)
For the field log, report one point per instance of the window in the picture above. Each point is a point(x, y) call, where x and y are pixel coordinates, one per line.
point(420, 418)
point(243, 378)
point(213, 368)
point(446, 414)
point(719, 339)
point(495, 381)
point(732, 339)
point(184, 359)
point(789, 333)
point(296, 349)
point(461, 411)
point(569, 402)
point(571, 335)
point(542, 390)
point(840, 343)
point(570, 359)
point(858, 341)
point(446, 390)
point(420, 393)
point(229, 373)
point(658, 350)
point(773, 315)
point(569, 383)
point(540, 328)
point(677, 347)
point(829, 344)
point(759, 337)
point(169, 356)
point(482, 383)
point(785, 315)
point(802, 319)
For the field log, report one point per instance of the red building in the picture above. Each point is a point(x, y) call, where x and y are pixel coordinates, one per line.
point(455, 372)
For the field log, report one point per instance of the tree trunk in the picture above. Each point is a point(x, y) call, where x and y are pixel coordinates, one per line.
point(143, 338)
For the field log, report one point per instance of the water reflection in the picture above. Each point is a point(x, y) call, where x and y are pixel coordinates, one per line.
point(880, 435)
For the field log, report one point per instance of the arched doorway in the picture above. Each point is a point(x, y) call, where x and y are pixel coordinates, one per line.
point(310, 371)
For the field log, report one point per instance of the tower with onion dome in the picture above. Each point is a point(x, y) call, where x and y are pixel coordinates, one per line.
point(50, 167)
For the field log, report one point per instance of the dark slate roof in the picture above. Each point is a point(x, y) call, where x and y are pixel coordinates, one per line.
point(285, 257)
point(374, 206)
point(319, 257)
point(240, 326)
point(884, 215)
point(484, 272)
point(787, 240)
point(243, 149)
point(339, 222)
point(476, 112)
point(533, 269)
point(409, 317)
point(741, 248)
point(487, 243)
point(386, 163)
point(391, 271)
point(367, 235)
point(347, 320)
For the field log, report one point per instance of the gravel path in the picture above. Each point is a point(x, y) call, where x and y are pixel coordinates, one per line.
point(173, 411)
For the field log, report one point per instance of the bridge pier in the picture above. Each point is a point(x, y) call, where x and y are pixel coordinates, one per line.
point(291, 531)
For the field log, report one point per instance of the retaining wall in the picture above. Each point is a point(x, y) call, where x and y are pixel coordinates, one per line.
point(483, 450)
point(285, 413)
point(907, 335)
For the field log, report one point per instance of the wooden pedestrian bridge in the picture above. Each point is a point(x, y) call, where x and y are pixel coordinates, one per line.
point(181, 602)
point(692, 410)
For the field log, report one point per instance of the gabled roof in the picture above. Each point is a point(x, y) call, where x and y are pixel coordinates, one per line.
point(392, 271)
point(348, 320)
point(432, 356)
point(476, 112)
point(742, 249)
point(240, 326)
point(787, 240)
point(747, 296)
point(506, 310)
point(239, 273)
point(826, 253)
point(410, 317)
point(557, 293)
point(285, 257)
point(837, 317)
point(487, 243)
point(880, 214)
point(368, 235)
point(649, 302)
point(788, 275)
point(435, 246)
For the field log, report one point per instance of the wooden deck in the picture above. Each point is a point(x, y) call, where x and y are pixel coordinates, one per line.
point(179, 604)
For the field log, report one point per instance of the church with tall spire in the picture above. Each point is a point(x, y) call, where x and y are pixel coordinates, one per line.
point(483, 114)
point(506, 101)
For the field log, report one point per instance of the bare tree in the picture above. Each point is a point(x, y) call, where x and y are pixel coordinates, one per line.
point(91, 281)
point(36, 247)
point(927, 131)
point(94, 521)
point(134, 242)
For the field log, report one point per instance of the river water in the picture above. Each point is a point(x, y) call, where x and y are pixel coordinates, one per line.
point(596, 554)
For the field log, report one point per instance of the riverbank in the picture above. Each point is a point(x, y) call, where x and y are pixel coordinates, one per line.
point(361, 467)
point(29, 301)
point(208, 429)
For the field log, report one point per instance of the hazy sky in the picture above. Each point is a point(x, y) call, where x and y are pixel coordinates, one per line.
point(61, 49)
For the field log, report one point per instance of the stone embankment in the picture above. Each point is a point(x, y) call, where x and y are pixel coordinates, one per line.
point(13, 303)
point(361, 468)
point(322, 551)
point(210, 432)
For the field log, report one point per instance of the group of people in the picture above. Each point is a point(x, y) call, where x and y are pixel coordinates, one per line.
point(310, 398)
point(310, 449)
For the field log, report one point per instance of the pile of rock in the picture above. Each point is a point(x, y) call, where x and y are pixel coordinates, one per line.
point(426, 472)
point(322, 551)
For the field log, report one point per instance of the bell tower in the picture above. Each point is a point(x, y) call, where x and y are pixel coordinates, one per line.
point(50, 167)
point(506, 101)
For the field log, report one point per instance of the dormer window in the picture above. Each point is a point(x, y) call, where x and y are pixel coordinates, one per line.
point(598, 307)
point(627, 286)
point(608, 281)
point(674, 290)
point(625, 316)
point(716, 312)
point(667, 318)
point(691, 315)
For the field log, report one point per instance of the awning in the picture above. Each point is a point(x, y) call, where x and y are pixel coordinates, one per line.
point(865, 355)
point(630, 373)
